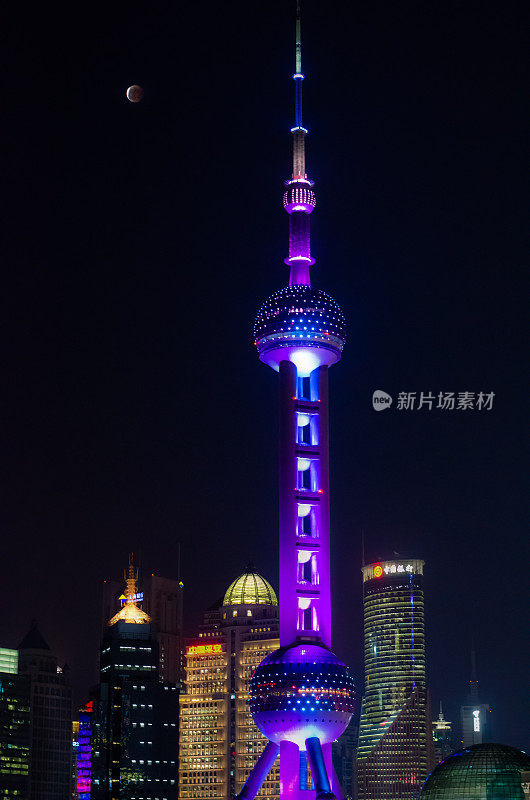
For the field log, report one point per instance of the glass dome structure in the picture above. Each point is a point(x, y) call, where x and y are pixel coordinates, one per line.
point(250, 589)
point(480, 772)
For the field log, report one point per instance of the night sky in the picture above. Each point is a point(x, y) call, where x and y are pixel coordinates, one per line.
point(139, 241)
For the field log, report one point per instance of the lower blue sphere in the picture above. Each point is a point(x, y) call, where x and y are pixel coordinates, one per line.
point(301, 691)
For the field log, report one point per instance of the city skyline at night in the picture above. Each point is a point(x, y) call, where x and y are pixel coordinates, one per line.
point(140, 238)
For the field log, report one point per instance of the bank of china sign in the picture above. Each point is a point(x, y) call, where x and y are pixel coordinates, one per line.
point(375, 571)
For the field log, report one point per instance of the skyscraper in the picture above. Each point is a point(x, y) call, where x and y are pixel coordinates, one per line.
point(51, 719)
point(134, 736)
point(474, 716)
point(84, 752)
point(14, 728)
point(218, 739)
point(442, 734)
point(394, 752)
point(162, 599)
point(301, 696)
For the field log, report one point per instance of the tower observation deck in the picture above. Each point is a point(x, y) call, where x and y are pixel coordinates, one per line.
point(301, 696)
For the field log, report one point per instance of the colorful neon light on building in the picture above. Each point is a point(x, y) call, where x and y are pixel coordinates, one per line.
point(84, 753)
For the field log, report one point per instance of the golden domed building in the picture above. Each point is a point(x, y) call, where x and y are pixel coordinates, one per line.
point(219, 742)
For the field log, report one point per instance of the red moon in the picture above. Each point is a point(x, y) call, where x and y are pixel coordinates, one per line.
point(135, 93)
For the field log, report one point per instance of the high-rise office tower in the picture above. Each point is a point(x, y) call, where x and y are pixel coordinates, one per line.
point(395, 750)
point(161, 598)
point(51, 719)
point(218, 739)
point(301, 696)
point(474, 716)
point(83, 772)
point(14, 728)
point(134, 737)
point(442, 734)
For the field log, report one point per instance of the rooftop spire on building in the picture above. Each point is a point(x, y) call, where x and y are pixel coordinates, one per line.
point(473, 683)
point(130, 612)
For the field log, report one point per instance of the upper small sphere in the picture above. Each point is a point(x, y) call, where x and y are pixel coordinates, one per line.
point(301, 691)
point(299, 318)
point(482, 772)
point(250, 589)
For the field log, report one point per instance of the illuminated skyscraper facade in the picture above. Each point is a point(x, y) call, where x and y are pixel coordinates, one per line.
point(219, 742)
point(442, 735)
point(301, 696)
point(134, 726)
point(83, 772)
point(14, 728)
point(395, 750)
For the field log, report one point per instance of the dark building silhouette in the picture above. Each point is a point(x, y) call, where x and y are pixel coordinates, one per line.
point(344, 750)
point(50, 776)
point(474, 715)
point(395, 750)
point(134, 733)
point(14, 728)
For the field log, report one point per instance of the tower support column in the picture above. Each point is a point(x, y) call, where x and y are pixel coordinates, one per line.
point(287, 504)
point(320, 378)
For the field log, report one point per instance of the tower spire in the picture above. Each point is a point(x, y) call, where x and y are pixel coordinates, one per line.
point(130, 612)
point(299, 199)
point(298, 67)
point(473, 683)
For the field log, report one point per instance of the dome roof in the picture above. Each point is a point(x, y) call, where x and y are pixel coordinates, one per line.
point(250, 589)
point(480, 772)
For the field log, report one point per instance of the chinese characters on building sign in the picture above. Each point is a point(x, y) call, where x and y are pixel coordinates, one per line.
point(204, 649)
point(476, 720)
point(391, 569)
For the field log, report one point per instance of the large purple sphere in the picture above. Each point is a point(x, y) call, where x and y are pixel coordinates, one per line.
point(300, 691)
point(298, 319)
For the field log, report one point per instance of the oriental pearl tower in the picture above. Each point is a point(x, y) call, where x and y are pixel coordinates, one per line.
point(301, 696)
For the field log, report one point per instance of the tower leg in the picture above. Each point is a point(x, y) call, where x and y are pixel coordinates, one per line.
point(319, 772)
point(261, 769)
